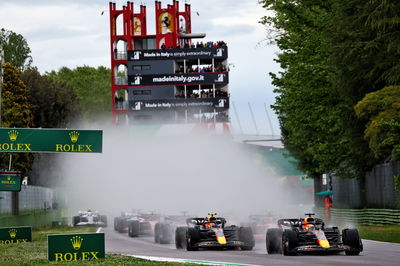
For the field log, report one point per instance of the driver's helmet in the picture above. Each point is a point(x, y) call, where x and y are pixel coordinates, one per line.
point(211, 221)
point(308, 223)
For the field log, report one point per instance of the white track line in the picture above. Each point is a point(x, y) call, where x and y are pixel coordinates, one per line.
point(204, 262)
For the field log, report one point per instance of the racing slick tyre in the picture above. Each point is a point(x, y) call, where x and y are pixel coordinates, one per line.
point(133, 228)
point(246, 235)
point(289, 242)
point(180, 234)
point(165, 234)
point(274, 241)
point(75, 220)
point(192, 238)
point(116, 223)
point(103, 219)
point(157, 233)
point(352, 239)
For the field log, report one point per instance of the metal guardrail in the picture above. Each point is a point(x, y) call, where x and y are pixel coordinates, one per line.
point(363, 216)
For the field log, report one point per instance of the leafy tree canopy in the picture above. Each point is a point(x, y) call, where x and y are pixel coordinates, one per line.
point(333, 53)
point(55, 103)
point(16, 49)
point(92, 87)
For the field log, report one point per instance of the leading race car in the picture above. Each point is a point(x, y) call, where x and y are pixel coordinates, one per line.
point(89, 218)
point(297, 236)
point(211, 232)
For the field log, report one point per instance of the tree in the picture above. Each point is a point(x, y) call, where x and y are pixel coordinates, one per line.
point(16, 111)
point(381, 111)
point(92, 87)
point(332, 54)
point(55, 103)
point(16, 49)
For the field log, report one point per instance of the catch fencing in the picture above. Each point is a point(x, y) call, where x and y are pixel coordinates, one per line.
point(362, 216)
point(380, 189)
point(30, 198)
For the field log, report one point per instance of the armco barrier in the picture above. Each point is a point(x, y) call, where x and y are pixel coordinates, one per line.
point(34, 218)
point(363, 216)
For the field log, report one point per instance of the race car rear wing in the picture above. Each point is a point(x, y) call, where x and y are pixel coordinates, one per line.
point(201, 221)
point(297, 222)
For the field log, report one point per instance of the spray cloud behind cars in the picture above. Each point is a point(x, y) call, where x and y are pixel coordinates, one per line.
point(172, 174)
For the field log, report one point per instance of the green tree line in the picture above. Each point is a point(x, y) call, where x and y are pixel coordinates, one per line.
point(338, 97)
point(56, 99)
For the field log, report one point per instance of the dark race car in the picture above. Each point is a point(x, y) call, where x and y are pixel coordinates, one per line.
point(309, 235)
point(164, 231)
point(259, 224)
point(89, 218)
point(142, 224)
point(121, 222)
point(211, 232)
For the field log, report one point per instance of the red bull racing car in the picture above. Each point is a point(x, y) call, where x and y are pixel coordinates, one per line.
point(309, 235)
point(211, 232)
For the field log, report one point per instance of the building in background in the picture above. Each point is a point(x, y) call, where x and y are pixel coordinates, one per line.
point(171, 77)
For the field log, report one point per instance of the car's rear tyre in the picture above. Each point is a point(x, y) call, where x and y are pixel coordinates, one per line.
point(116, 223)
point(157, 233)
point(180, 234)
point(274, 241)
point(352, 239)
point(103, 219)
point(75, 220)
point(165, 234)
point(246, 235)
point(289, 242)
point(192, 238)
point(133, 228)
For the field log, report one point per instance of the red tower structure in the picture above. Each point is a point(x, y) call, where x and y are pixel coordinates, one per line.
point(132, 25)
point(160, 77)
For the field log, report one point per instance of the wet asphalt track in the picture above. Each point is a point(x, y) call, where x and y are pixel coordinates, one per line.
point(375, 253)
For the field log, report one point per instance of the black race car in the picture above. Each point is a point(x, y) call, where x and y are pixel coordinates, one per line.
point(89, 218)
point(211, 232)
point(165, 229)
point(142, 224)
point(259, 223)
point(121, 222)
point(309, 235)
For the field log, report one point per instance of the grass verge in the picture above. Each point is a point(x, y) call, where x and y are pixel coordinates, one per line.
point(35, 253)
point(387, 233)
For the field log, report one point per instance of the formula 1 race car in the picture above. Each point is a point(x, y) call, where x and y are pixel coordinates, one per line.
point(142, 224)
point(89, 218)
point(164, 230)
point(211, 232)
point(259, 223)
point(309, 235)
point(121, 222)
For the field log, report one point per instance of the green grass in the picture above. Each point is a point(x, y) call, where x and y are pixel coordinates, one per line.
point(387, 233)
point(35, 253)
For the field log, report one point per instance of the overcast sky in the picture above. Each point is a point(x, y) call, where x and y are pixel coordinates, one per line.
point(74, 33)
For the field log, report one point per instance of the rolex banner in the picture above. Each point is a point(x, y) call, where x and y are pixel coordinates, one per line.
point(10, 181)
point(173, 104)
point(50, 140)
point(178, 79)
point(179, 53)
point(76, 247)
point(15, 235)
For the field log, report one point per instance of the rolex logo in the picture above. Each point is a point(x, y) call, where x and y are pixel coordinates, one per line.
point(13, 134)
point(8, 178)
point(13, 233)
point(76, 242)
point(74, 135)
